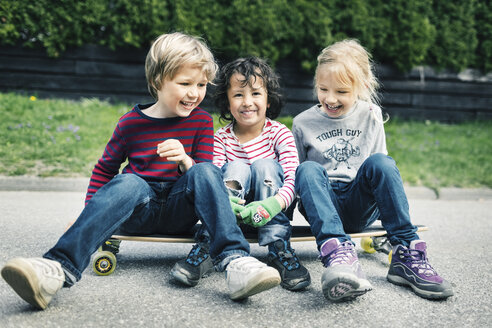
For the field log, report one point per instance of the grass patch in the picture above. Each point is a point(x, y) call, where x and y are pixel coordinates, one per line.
point(442, 155)
point(54, 137)
point(66, 138)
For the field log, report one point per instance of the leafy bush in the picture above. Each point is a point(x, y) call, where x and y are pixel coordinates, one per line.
point(483, 23)
point(58, 25)
point(446, 34)
point(456, 38)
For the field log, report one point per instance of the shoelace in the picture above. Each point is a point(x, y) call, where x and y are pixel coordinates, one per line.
point(289, 259)
point(341, 255)
point(418, 260)
point(197, 255)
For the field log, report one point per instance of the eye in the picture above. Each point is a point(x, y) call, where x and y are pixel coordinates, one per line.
point(184, 83)
point(237, 95)
point(201, 85)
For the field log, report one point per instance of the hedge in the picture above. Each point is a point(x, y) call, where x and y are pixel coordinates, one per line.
point(453, 34)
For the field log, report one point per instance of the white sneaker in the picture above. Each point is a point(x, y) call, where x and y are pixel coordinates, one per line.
point(36, 280)
point(247, 276)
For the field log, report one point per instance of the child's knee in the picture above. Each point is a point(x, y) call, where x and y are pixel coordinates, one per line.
point(268, 174)
point(128, 182)
point(265, 166)
point(380, 162)
point(309, 168)
point(205, 171)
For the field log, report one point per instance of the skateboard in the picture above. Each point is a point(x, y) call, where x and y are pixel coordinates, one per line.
point(373, 239)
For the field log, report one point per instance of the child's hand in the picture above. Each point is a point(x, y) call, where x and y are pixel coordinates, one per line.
point(259, 213)
point(173, 150)
point(237, 207)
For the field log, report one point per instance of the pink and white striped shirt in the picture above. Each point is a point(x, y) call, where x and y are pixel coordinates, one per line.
point(275, 142)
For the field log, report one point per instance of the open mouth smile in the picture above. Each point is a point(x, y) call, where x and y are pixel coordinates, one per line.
point(188, 104)
point(333, 108)
point(248, 112)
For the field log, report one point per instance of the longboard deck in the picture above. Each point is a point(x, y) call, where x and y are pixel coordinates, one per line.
point(299, 233)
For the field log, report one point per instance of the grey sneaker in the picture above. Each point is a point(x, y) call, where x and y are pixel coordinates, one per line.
point(410, 267)
point(246, 276)
point(196, 265)
point(36, 280)
point(343, 278)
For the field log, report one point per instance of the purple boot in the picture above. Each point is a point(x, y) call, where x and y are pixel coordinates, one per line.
point(410, 267)
point(343, 278)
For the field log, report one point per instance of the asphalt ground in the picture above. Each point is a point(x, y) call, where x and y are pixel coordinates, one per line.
point(34, 213)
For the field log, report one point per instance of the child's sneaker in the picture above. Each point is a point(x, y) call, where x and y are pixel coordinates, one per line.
point(36, 280)
point(196, 265)
point(246, 276)
point(293, 274)
point(343, 278)
point(410, 267)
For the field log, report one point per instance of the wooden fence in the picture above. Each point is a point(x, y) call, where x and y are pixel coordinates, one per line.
point(94, 71)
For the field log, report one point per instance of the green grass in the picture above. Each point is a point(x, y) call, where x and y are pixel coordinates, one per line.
point(53, 137)
point(442, 155)
point(66, 138)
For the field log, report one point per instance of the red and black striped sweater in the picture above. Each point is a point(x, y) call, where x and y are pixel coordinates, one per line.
point(136, 137)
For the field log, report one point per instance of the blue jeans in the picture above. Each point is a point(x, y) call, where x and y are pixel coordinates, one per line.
point(129, 204)
point(335, 208)
point(258, 181)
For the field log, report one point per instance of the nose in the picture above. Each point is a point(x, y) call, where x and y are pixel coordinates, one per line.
point(193, 92)
point(247, 101)
point(330, 98)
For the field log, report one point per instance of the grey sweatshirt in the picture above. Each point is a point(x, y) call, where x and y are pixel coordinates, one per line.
point(340, 144)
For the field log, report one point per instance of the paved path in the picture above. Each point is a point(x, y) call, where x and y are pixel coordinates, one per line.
point(140, 292)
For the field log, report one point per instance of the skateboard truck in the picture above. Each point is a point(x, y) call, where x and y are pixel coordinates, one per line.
point(376, 244)
point(104, 261)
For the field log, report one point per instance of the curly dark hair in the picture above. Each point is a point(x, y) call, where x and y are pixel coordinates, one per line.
point(248, 67)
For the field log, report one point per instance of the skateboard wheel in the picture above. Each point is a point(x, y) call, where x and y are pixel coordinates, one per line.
point(104, 263)
point(366, 244)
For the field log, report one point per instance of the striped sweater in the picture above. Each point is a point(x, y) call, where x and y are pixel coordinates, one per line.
point(275, 142)
point(136, 137)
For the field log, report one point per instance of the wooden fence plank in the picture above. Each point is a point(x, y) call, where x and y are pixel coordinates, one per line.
point(118, 75)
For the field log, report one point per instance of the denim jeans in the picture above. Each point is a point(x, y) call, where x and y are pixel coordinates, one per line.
point(258, 181)
point(129, 204)
point(335, 208)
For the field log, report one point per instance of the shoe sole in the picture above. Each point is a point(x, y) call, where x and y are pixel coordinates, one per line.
point(265, 281)
point(343, 288)
point(24, 282)
point(297, 285)
point(181, 277)
point(397, 280)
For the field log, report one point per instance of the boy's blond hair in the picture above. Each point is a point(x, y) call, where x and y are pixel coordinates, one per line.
point(170, 52)
point(353, 67)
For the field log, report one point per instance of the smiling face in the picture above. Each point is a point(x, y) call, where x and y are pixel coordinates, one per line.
point(335, 96)
point(248, 102)
point(181, 94)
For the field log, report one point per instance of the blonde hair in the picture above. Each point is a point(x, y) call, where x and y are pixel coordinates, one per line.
point(352, 66)
point(170, 52)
